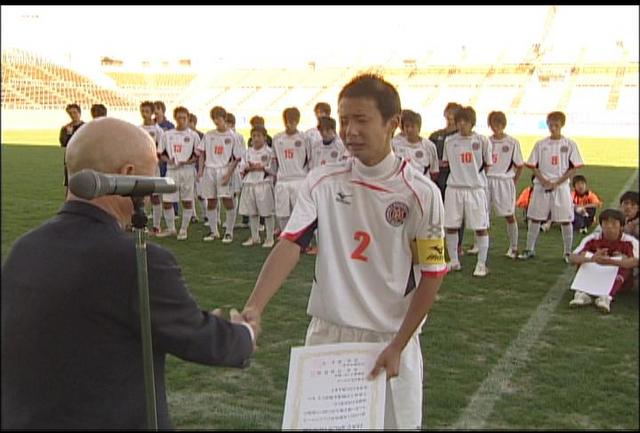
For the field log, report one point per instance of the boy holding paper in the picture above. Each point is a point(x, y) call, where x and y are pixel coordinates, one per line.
point(609, 247)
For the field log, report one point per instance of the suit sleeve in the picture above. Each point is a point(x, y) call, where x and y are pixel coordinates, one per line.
point(179, 327)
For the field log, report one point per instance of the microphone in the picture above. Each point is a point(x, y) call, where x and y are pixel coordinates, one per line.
point(89, 184)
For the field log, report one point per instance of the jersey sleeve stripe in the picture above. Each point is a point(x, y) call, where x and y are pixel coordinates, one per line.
point(433, 274)
point(368, 185)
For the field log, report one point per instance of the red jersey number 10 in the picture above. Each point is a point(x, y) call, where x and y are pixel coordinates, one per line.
point(466, 157)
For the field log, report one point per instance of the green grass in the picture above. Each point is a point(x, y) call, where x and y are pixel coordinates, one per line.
point(581, 373)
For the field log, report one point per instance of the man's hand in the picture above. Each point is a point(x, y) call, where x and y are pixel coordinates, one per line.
point(69, 129)
point(388, 360)
point(236, 318)
point(252, 317)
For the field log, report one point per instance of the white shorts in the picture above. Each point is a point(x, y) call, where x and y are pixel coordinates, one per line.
point(501, 195)
point(557, 202)
point(403, 408)
point(286, 194)
point(184, 178)
point(257, 199)
point(470, 203)
point(212, 183)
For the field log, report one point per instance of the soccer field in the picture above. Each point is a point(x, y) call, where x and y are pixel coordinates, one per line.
point(579, 372)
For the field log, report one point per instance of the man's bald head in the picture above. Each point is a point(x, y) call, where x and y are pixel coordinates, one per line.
point(111, 145)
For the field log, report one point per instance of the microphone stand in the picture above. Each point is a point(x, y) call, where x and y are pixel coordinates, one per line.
point(139, 222)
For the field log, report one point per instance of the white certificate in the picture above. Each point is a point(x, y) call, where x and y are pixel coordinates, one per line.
point(595, 279)
point(328, 388)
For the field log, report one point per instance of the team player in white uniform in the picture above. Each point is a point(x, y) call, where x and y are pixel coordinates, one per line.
point(293, 153)
point(155, 131)
point(503, 175)
point(369, 210)
point(330, 149)
point(257, 190)
point(321, 109)
point(553, 160)
point(467, 154)
point(222, 152)
point(178, 149)
point(421, 152)
point(236, 179)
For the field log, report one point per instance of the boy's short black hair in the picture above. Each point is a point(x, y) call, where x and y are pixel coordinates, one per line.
point(326, 123)
point(631, 196)
point(578, 178)
point(609, 214)
point(70, 106)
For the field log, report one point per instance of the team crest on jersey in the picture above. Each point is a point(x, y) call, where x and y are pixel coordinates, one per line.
point(505, 148)
point(187, 139)
point(564, 149)
point(264, 158)
point(298, 143)
point(227, 140)
point(419, 154)
point(475, 146)
point(334, 154)
point(396, 213)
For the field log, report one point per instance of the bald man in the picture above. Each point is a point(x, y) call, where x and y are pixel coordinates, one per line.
point(71, 348)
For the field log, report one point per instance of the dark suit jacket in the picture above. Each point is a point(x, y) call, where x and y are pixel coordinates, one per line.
point(71, 346)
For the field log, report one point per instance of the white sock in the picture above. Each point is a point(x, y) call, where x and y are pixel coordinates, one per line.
point(157, 215)
point(254, 220)
point(567, 237)
point(483, 248)
point(532, 234)
point(231, 220)
point(269, 223)
point(452, 246)
point(170, 218)
point(283, 222)
point(212, 214)
point(194, 208)
point(186, 219)
point(512, 231)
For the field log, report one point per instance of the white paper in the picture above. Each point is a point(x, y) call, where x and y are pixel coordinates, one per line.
point(595, 279)
point(328, 388)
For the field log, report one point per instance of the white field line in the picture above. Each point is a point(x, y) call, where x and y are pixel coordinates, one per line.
point(498, 381)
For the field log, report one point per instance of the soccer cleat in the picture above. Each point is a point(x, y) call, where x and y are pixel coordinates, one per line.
point(545, 227)
point(166, 233)
point(580, 299)
point(250, 242)
point(312, 251)
point(584, 230)
point(511, 253)
point(194, 219)
point(268, 243)
point(182, 236)
point(228, 238)
point(480, 270)
point(154, 231)
point(603, 303)
point(473, 251)
point(526, 255)
point(454, 266)
point(210, 237)
point(566, 258)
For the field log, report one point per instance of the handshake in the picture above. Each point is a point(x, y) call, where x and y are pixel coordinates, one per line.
point(249, 318)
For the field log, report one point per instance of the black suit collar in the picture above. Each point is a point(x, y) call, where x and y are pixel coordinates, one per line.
point(87, 209)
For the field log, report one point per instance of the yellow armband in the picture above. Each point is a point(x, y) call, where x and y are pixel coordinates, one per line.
point(429, 251)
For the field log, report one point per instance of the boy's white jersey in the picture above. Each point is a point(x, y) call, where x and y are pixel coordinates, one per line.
point(397, 141)
point(506, 155)
point(155, 132)
point(422, 155)
point(366, 227)
point(467, 157)
point(220, 148)
point(179, 145)
point(554, 157)
point(293, 155)
point(322, 154)
point(266, 158)
point(313, 136)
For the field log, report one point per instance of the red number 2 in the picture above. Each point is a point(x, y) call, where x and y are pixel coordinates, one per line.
point(364, 239)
